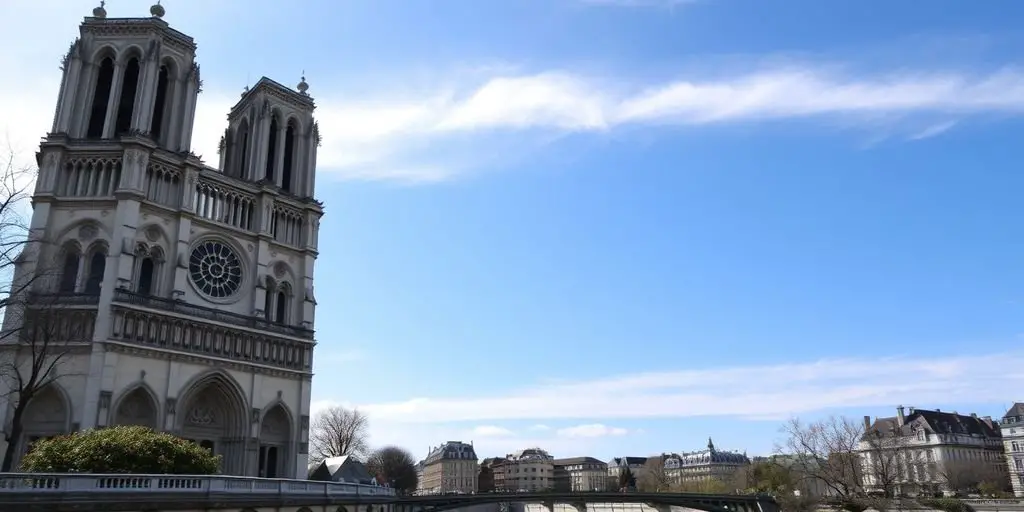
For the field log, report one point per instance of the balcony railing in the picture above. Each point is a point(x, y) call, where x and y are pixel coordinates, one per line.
point(184, 485)
point(127, 297)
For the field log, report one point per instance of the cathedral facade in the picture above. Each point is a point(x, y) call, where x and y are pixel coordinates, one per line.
point(186, 291)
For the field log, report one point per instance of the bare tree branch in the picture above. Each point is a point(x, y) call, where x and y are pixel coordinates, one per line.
point(40, 327)
point(654, 478)
point(339, 431)
point(826, 451)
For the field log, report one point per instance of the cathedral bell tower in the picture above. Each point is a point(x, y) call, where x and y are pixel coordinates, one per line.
point(186, 290)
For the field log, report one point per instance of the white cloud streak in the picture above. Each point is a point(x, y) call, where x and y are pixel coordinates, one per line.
point(750, 392)
point(423, 137)
point(592, 430)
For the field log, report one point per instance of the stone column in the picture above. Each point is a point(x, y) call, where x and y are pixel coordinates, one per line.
point(72, 77)
point(148, 76)
point(191, 88)
point(309, 167)
point(113, 101)
point(172, 116)
point(282, 131)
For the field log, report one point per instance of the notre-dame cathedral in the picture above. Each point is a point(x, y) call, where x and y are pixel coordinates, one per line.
point(190, 287)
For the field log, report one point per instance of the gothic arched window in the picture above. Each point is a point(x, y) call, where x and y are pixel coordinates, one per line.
point(289, 155)
point(126, 103)
point(156, 123)
point(100, 98)
point(97, 265)
point(69, 271)
point(271, 149)
point(281, 313)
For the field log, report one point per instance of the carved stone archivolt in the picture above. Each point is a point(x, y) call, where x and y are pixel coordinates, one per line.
point(202, 416)
point(87, 232)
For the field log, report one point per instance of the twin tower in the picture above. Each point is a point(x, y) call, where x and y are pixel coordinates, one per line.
point(184, 292)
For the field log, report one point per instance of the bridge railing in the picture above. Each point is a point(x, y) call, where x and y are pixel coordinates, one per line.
point(186, 485)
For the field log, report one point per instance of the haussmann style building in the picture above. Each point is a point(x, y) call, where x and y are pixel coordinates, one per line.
point(577, 474)
point(449, 468)
point(531, 469)
point(708, 464)
point(185, 291)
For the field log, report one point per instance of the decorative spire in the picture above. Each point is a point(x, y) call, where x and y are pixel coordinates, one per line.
point(303, 86)
point(711, 445)
point(100, 12)
point(157, 10)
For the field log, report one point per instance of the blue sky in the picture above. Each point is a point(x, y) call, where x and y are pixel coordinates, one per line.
point(619, 227)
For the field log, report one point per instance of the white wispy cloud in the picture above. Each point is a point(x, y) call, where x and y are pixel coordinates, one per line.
point(467, 122)
point(492, 431)
point(592, 430)
point(444, 134)
point(748, 392)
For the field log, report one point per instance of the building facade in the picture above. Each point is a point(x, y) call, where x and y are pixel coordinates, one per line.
point(580, 474)
point(618, 465)
point(1012, 430)
point(529, 470)
point(182, 292)
point(704, 465)
point(930, 451)
point(450, 467)
point(491, 477)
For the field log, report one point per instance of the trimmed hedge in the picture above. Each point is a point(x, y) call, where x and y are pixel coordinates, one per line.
point(120, 449)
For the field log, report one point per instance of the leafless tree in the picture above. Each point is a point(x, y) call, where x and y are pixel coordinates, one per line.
point(826, 451)
point(654, 478)
point(395, 467)
point(39, 329)
point(338, 431)
point(884, 453)
point(970, 476)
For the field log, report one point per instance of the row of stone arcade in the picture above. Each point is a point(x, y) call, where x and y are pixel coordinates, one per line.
point(214, 416)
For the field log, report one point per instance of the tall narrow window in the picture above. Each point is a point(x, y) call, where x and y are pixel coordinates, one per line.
point(156, 124)
point(268, 302)
point(127, 102)
point(282, 307)
point(289, 156)
point(271, 149)
point(229, 149)
point(243, 149)
point(69, 274)
point(97, 264)
point(100, 98)
point(146, 271)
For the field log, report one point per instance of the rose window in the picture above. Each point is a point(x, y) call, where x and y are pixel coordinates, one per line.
point(215, 269)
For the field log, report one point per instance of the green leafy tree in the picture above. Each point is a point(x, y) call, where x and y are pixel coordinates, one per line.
point(120, 449)
point(394, 466)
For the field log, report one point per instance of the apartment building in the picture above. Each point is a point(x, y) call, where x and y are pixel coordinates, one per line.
point(450, 467)
point(531, 469)
point(1012, 429)
point(491, 477)
point(702, 465)
point(580, 474)
point(619, 464)
point(930, 451)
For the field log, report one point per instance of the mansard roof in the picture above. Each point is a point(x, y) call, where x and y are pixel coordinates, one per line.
point(577, 460)
point(938, 422)
point(452, 450)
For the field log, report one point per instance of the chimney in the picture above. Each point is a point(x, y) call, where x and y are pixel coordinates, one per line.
point(974, 415)
point(867, 422)
point(900, 419)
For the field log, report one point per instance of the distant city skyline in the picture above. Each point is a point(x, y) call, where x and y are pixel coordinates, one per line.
point(611, 229)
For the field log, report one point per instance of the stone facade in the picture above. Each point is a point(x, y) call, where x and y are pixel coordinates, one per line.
point(704, 465)
point(450, 467)
point(1012, 429)
point(531, 469)
point(580, 474)
point(925, 451)
point(183, 292)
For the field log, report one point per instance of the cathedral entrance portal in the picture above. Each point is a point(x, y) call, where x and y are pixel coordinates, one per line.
point(213, 417)
point(275, 435)
point(45, 416)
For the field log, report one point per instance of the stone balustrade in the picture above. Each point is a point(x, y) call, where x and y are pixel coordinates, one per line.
point(187, 486)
